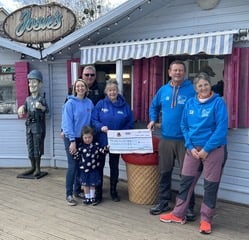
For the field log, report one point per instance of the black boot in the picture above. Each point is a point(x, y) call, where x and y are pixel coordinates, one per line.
point(37, 166)
point(164, 194)
point(98, 194)
point(113, 192)
point(32, 169)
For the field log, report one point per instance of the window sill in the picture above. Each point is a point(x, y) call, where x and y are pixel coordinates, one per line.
point(8, 116)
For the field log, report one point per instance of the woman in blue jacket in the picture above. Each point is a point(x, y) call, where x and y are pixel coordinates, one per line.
point(111, 113)
point(76, 114)
point(204, 125)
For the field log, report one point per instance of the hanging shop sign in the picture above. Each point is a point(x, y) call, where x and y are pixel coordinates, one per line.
point(7, 69)
point(37, 24)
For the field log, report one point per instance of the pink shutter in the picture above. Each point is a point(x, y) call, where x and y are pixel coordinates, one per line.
point(156, 76)
point(148, 77)
point(137, 89)
point(21, 71)
point(236, 90)
point(145, 88)
point(243, 96)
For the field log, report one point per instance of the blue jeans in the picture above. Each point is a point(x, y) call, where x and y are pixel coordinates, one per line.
point(72, 171)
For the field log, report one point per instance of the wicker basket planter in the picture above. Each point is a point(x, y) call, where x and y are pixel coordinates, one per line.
point(143, 175)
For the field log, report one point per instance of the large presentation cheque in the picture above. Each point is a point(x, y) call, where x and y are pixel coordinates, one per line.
point(130, 141)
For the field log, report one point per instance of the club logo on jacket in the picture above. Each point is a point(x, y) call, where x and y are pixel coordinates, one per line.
point(104, 110)
point(205, 113)
point(191, 112)
point(181, 99)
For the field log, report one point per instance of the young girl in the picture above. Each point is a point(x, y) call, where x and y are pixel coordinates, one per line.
point(88, 154)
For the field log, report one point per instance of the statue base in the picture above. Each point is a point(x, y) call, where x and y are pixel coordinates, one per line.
point(31, 176)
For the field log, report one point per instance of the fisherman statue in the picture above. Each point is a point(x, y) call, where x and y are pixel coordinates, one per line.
point(35, 107)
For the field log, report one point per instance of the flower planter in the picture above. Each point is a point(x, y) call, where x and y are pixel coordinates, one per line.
point(143, 175)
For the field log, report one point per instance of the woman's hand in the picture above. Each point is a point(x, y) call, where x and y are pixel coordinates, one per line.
point(199, 154)
point(195, 153)
point(72, 147)
point(202, 154)
point(104, 129)
point(62, 134)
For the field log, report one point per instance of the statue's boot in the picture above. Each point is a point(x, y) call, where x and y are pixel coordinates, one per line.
point(32, 169)
point(37, 166)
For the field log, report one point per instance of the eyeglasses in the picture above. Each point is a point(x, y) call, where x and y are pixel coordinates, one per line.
point(89, 74)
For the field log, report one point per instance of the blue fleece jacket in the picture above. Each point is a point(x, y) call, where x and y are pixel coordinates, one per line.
point(169, 101)
point(205, 124)
point(76, 114)
point(115, 115)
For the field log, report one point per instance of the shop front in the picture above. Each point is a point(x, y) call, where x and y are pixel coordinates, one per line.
point(135, 44)
point(216, 50)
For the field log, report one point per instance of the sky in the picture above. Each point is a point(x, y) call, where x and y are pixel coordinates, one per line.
point(12, 5)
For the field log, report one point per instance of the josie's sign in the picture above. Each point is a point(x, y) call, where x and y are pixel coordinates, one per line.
point(39, 24)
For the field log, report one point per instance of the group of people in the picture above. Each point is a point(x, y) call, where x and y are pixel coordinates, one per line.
point(87, 116)
point(194, 125)
point(193, 128)
point(193, 133)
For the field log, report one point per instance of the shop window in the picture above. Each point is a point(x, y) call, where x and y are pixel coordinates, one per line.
point(195, 66)
point(7, 89)
point(126, 82)
point(108, 71)
point(212, 66)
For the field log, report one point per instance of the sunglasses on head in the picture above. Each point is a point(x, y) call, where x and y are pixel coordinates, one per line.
point(89, 74)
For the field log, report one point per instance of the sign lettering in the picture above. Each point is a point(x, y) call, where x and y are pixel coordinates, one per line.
point(41, 23)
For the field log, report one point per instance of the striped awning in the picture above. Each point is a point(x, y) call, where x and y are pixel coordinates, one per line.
point(213, 43)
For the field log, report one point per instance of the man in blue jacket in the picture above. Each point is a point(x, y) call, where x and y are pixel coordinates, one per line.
point(169, 101)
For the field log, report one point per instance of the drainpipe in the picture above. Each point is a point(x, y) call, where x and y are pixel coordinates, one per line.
point(50, 78)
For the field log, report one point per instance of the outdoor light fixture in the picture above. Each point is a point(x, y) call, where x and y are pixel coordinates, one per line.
point(207, 4)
